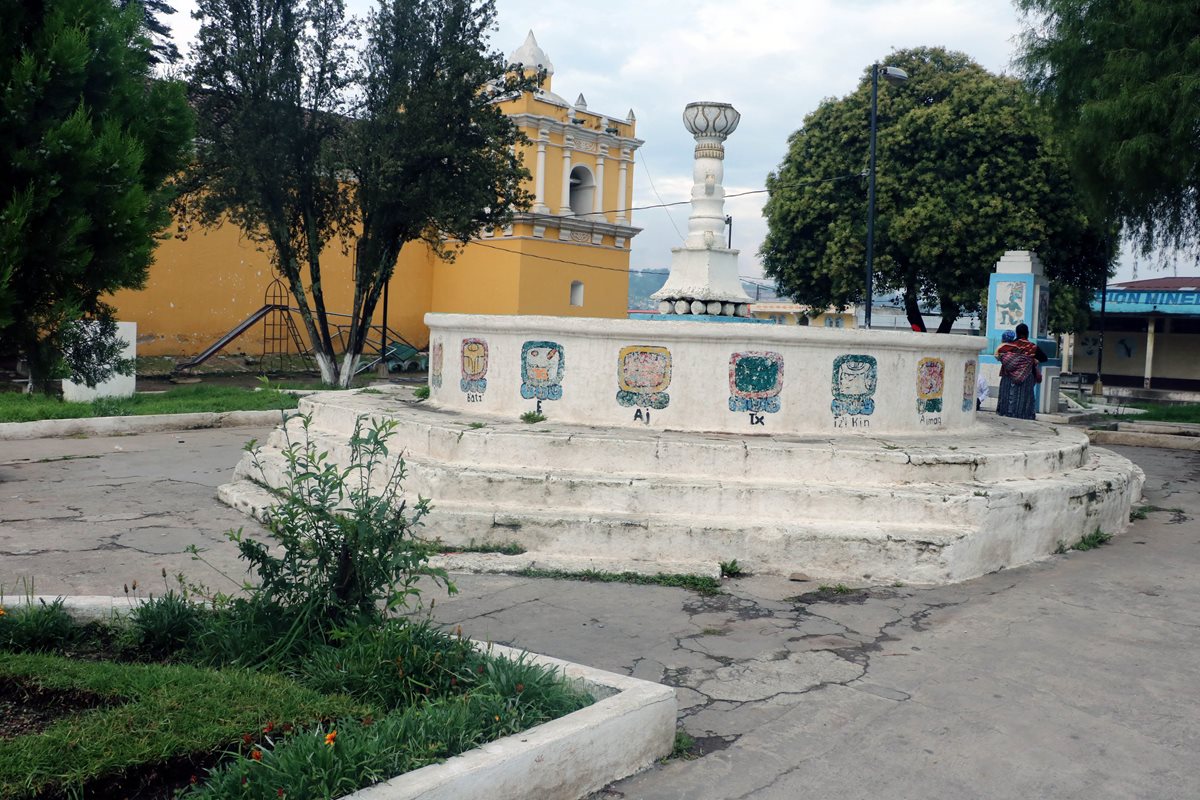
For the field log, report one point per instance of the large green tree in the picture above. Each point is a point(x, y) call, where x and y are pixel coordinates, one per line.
point(303, 141)
point(965, 172)
point(1121, 80)
point(90, 142)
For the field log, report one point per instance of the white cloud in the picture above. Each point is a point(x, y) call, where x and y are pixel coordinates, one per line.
point(774, 60)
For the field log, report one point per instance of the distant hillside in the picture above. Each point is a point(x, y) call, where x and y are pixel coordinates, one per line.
point(644, 283)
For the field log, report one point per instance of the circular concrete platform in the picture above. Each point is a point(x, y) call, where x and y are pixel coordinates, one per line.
point(919, 508)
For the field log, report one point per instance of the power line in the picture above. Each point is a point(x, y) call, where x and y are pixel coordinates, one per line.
point(477, 243)
point(660, 200)
point(756, 281)
point(661, 204)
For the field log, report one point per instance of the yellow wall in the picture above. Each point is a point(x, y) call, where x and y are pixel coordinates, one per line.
point(203, 286)
point(546, 285)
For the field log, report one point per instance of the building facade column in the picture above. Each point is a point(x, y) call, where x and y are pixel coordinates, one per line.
point(598, 195)
point(539, 180)
point(1150, 328)
point(565, 202)
point(622, 177)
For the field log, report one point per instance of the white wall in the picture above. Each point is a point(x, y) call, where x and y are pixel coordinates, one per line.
point(699, 395)
point(117, 385)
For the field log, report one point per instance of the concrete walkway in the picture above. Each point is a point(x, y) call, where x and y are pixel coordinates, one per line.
point(1072, 678)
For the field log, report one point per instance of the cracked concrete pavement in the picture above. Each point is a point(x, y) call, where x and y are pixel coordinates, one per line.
point(94, 515)
point(1074, 677)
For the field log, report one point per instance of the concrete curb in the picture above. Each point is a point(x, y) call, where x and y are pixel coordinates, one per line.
point(122, 426)
point(1132, 439)
point(628, 728)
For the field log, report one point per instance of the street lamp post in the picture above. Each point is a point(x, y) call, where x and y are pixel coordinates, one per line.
point(891, 75)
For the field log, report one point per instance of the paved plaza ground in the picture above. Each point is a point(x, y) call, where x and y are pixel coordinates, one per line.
point(1072, 678)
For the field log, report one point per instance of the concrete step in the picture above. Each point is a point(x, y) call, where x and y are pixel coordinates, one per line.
point(927, 509)
point(999, 449)
point(520, 486)
point(826, 549)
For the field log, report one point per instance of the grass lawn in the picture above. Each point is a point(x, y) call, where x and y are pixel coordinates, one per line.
point(1167, 412)
point(172, 703)
point(15, 407)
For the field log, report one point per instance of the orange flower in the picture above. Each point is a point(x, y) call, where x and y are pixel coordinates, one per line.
point(330, 738)
point(247, 738)
point(256, 755)
point(270, 727)
point(2, 611)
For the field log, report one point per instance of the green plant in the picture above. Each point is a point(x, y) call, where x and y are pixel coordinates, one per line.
point(476, 425)
point(501, 548)
point(730, 569)
point(347, 547)
point(1139, 513)
point(684, 746)
point(370, 390)
point(1061, 549)
point(1091, 541)
point(421, 392)
point(530, 417)
point(36, 627)
point(161, 626)
point(839, 588)
point(392, 664)
point(699, 583)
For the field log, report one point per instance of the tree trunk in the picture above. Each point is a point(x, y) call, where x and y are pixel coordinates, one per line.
point(950, 315)
point(913, 311)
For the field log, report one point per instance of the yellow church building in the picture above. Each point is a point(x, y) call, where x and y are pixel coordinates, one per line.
point(567, 256)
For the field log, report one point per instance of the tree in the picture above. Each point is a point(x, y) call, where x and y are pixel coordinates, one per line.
point(433, 156)
point(964, 173)
point(162, 46)
point(269, 79)
point(1121, 81)
point(423, 154)
point(90, 144)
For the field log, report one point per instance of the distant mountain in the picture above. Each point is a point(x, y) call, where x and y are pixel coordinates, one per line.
point(643, 283)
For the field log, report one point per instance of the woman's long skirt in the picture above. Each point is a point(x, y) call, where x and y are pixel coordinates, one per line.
point(1016, 399)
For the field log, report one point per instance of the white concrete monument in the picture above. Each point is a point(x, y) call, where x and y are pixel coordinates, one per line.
point(704, 273)
point(670, 445)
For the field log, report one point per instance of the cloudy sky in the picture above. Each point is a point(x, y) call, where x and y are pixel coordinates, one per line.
point(774, 60)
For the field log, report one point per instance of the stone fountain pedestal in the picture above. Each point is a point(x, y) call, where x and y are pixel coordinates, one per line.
point(920, 508)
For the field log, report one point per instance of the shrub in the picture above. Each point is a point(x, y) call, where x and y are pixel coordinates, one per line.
point(161, 626)
point(347, 542)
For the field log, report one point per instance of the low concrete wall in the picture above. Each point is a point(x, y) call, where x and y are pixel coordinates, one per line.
point(628, 728)
point(146, 423)
point(703, 377)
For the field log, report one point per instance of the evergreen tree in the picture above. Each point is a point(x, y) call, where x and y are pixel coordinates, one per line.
point(964, 173)
point(1121, 80)
point(90, 142)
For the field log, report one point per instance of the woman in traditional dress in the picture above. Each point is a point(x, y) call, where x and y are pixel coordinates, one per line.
point(1019, 373)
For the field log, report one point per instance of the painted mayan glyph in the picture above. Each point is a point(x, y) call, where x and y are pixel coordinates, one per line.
point(542, 367)
point(474, 368)
point(435, 365)
point(755, 381)
point(854, 380)
point(1010, 303)
point(931, 384)
point(643, 375)
point(968, 393)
